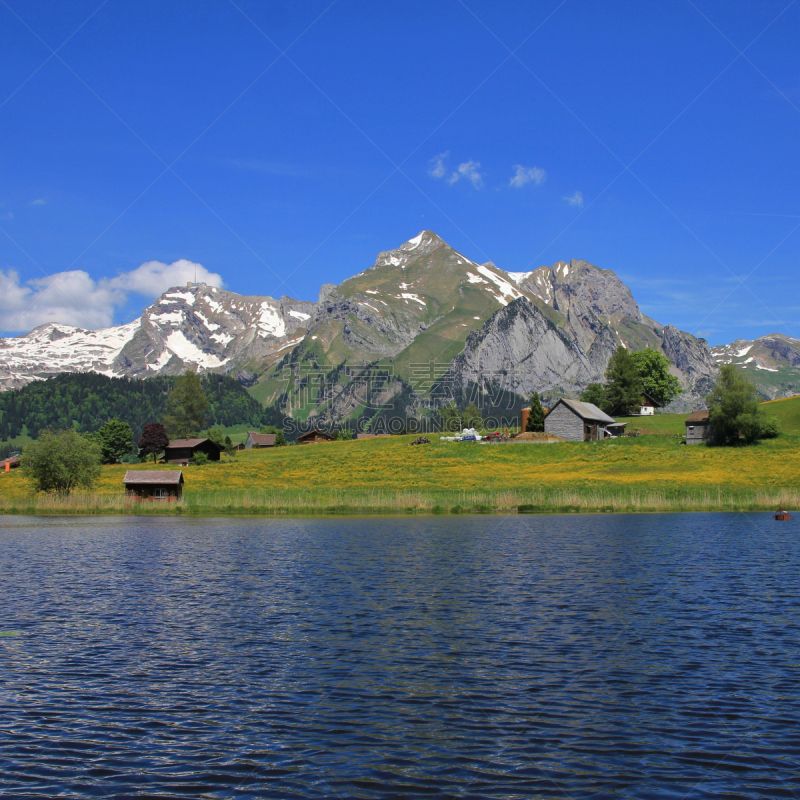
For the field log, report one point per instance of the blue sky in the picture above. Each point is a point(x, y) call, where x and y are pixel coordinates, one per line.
point(281, 145)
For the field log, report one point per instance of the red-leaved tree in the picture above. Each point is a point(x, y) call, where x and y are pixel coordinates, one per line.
point(154, 440)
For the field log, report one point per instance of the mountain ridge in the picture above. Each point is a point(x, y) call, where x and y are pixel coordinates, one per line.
point(422, 303)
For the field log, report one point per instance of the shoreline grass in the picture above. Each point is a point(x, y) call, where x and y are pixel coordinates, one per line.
point(387, 477)
point(377, 503)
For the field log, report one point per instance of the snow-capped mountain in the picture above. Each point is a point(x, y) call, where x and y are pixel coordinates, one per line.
point(198, 327)
point(772, 362)
point(417, 304)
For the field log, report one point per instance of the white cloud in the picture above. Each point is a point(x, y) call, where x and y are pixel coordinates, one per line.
point(469, 170)
point(38, 202)
point(437, 168)
point(154, 277)
point(576, 199)
point(75, 298)
point(525, 175)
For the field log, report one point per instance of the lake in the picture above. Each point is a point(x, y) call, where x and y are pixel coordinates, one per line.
point(602, 656)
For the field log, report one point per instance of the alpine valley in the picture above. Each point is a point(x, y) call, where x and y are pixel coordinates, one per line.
point(423, 325)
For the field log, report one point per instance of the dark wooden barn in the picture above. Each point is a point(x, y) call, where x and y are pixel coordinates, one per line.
point(182, 450)
point(154, 484)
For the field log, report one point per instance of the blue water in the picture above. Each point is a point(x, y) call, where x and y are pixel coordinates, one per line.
point(603, 656)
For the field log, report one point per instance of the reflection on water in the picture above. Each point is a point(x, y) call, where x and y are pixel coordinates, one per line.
point(651, 656)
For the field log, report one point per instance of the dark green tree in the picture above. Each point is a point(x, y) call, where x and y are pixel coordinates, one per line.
point(450, 417)
point(280, 436)
point(60, 461)
point(216, 434)
point(536, 416)
point(229, 448)
point(115, 439)
point(153, 440)
point(733, 410)
point(471, 416)
point(187, 407)
point(596, 394)
point(623, 384)
point(657, 381)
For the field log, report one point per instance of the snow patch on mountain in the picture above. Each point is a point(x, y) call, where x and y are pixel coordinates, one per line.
point(505, 287)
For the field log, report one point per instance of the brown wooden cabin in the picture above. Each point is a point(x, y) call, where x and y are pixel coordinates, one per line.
point(259, 440)
point(314, 437)
point(154, 484)
point(182, 450)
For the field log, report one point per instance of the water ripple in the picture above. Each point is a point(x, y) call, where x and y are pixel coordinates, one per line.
point(651, 656)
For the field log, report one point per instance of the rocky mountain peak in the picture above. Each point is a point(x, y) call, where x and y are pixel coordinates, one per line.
point(423, 244)
point(594, 289)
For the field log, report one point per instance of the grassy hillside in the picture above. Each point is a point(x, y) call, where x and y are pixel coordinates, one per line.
point(786, 411)
point(651, 472)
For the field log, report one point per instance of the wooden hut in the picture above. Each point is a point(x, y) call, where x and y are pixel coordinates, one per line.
point(314, 437)
point(698, 428)
point(259, 440)
point(181, 451)
point(154, 484)
point(576, 421)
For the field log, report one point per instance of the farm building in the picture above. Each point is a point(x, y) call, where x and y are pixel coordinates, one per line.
point(12, 462)
point(154, 484)
point(314, 437)
point(698, 428)
point(259, 440)
point(576, 421)
point(182, 450)
point(648, 406)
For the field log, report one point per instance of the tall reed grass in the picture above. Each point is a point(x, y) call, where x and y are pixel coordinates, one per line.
point(321, 503)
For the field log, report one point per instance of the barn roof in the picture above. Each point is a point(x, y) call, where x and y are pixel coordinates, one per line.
point(264, 439)
point(192, 443)
point(698, 416)
point(161, 476)
point(585, 410)
point(314, 432)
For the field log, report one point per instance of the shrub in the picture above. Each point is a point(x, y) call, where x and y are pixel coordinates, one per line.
point(61, 461)
point(734, 413)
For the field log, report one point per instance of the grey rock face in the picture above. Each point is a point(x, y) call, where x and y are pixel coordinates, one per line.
point(521, 351)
